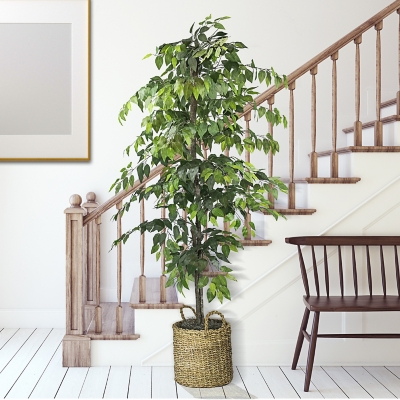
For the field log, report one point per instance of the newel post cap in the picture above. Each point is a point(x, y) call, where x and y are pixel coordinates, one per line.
point(90, 201)
point(75, 200)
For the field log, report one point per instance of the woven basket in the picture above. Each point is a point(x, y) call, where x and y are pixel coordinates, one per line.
point(203, 358)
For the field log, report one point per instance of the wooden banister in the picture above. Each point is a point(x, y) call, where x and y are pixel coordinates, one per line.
point(122, 195)
point(271, 91)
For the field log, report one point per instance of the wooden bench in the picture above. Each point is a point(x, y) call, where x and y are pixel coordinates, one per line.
point(347, 299)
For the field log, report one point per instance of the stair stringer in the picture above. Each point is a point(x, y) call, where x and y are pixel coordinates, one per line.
point(279, 286)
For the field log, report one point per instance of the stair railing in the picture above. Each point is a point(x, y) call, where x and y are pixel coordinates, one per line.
point(83, 221)
point(312, 66)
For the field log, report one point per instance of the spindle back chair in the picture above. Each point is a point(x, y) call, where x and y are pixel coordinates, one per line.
point(348, 299)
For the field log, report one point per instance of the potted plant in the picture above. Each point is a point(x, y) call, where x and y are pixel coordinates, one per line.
point(192, 106)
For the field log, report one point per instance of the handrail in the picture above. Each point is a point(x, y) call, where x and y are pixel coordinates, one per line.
point(272, 90)
point(121, 195)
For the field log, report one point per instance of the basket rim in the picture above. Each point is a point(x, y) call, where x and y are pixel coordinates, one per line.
point(223, 327)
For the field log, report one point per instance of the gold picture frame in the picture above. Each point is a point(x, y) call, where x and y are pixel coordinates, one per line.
point(45, 80)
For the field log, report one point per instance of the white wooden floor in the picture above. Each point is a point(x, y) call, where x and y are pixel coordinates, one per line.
point(30, 367)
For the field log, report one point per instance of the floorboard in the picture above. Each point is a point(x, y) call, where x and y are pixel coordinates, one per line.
point(325, 385)
point(369, 383)
point(236, 389)
point(349, 385)
point(386, 378)
point(13, 345)
point(21, 359)
point(72, 383)
point(95, 383)
point(296, 378)
point(27, 381)
point(163, 384)
point(277, 382)
point(212, 393)
point(184, 392)
point(6, 335)
point(140, 383)
point(118, 383)
point(31, 361)
point(255, 383)
point(50, 382)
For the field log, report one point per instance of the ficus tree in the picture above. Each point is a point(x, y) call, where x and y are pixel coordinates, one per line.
point(194, 105)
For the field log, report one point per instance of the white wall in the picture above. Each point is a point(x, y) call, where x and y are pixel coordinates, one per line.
point(33, 195)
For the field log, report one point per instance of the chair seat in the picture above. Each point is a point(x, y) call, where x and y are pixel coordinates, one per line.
point(352, 303)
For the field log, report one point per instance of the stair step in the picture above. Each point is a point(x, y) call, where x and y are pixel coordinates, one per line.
point(109, 322)
point(153, 296)
point(371, 124)
point(361, 149)
point(256, 241)
point(333, 180)
point(293, 211)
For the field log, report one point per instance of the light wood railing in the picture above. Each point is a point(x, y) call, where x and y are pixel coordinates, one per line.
point(84, 221)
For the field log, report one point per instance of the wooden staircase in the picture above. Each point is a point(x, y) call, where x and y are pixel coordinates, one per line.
point(90, 319)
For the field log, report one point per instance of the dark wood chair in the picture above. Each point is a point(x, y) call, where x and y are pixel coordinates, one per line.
point(323, 301)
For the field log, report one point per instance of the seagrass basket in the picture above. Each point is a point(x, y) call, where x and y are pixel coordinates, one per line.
point(203, 358)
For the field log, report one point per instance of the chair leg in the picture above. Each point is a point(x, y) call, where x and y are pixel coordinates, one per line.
point(311, 351)
point(300, 338)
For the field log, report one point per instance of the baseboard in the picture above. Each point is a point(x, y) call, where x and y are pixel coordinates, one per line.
point(32, 318)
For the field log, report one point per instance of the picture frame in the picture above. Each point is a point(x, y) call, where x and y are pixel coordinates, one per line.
point(44, 80)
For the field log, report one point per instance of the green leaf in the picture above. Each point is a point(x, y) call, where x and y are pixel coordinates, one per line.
point(218, 212)
point(219, 26)
point(261, 76)
point(210, 295)
point(202, 37)
point(203, 281)
point(192, 64)
point(159, 61)
point(225, 291)
point(147, 56)
point(225, 250)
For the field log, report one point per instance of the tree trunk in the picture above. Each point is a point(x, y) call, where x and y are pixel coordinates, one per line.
point(196, 233)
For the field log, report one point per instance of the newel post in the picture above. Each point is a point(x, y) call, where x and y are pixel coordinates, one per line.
point(76, 347)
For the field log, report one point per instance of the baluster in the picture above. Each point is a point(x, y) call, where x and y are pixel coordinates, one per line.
point(247, 221)
point(163, 278)
point(142, 278)
point(334, 155)
point(326, 272)
point(90, 253)
point(292, 189)
point(357, 123)
point(315, 270)
point(353, 254)
point(314, 155)
point(369, 271)
point(119, 327)
point(378, 141)
point(396, 262)
point(76, 348)
point(303, 272)
point(398, 93)
point(98, 309)
point(383, 273)
point(271, 198)
point(340, 271)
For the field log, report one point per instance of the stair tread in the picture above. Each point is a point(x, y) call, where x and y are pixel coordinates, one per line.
point(370, 124)
point(109, 322)
point(153, 296)
point(212, 271)
point(333, 180)
point(361, 149)
point(256, 241)
point(293, 211)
